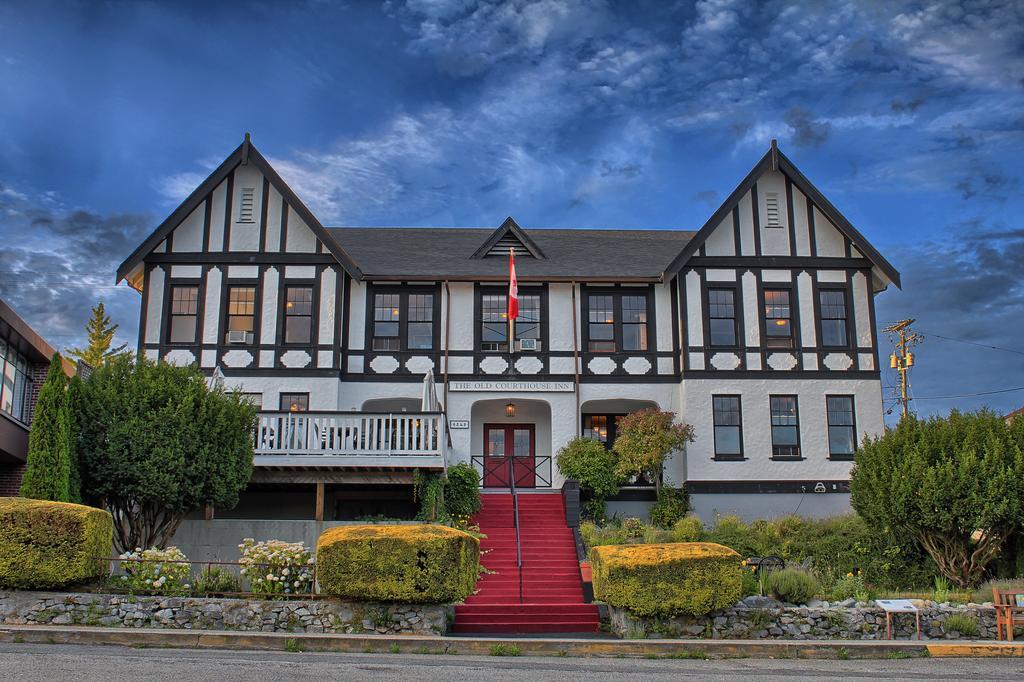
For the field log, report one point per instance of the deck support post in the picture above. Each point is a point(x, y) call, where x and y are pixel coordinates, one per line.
point(319, 500)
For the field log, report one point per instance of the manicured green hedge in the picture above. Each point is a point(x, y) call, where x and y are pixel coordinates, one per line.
point(422, 563)
point(45, 545)
point(669, 579)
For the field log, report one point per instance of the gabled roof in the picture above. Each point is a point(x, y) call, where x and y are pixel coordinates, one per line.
point(245, 153)
point(509, 236)
point(774, 159)
point(437, 253)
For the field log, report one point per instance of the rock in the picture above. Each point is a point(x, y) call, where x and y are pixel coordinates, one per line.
point(758, 602)
point(847, 603)
point(817, 604)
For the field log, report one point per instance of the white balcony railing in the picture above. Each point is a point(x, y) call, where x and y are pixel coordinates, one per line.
point(352, 438)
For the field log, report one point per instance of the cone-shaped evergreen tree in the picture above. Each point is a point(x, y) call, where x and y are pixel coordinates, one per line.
point(101, 335)
point(48, 474)
point(72, 406)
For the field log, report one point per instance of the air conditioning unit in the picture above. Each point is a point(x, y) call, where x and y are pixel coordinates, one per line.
point(528, 344)
point(238, 337)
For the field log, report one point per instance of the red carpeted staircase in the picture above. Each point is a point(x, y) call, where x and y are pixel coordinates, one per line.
point(552, 587)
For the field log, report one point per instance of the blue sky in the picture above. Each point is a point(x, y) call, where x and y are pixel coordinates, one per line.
point(909, 116)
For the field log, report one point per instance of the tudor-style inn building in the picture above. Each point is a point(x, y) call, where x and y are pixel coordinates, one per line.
point(758, 329)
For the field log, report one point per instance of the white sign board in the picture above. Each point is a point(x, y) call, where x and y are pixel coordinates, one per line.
point(511, 386)
point(458, 424)
point(897, 605)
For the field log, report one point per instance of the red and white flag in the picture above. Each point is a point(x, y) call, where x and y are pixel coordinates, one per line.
point(513, 288)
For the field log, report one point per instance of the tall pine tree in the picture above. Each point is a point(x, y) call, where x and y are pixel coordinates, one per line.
point(48, 475)
point(101, 335)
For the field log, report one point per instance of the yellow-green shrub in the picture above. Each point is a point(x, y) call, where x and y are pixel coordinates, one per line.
point(423, 563)
point(669, 579)
point(51, 544)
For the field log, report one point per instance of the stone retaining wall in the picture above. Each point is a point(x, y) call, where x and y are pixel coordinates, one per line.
point(774, 621)
point(251, 615)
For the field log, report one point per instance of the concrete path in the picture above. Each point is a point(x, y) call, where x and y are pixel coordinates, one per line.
point(54, 662)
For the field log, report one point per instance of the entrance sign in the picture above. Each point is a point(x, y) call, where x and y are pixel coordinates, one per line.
point(458, 424)
point(512, 386)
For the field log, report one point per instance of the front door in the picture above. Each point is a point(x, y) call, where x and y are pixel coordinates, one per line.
point(509, 448)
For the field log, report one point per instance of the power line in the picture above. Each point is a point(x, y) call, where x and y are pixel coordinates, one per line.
point(973, 343)
point(970, 395)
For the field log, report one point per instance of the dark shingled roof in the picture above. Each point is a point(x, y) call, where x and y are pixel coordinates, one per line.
point(447, 253)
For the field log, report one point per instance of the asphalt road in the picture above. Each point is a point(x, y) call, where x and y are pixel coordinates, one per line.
point(53, 662)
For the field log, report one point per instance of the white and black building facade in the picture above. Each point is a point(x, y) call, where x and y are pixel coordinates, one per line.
point(758, 329)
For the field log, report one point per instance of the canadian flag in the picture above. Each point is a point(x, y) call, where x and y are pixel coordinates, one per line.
point(513, 287)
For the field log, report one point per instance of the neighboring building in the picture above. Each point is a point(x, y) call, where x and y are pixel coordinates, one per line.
point(24, 362)
point(1013, 415)
point(758, 329)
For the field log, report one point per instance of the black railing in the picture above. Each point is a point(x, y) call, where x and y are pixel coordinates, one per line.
point(528, 472)
point(515, 523)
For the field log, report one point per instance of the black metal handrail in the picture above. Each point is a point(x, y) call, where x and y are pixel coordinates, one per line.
point(515, 523)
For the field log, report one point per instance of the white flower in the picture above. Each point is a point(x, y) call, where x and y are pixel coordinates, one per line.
point(284, 572)
point(269, 576)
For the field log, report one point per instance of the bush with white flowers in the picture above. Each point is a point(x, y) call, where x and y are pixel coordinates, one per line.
point(156, 570)
point(276, 567)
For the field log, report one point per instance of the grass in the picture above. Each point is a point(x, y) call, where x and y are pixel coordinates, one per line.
point(897, 655)
point(293, 646)
point(394, 648)
point(843, 654)
point(964, 624)
point(502, 649)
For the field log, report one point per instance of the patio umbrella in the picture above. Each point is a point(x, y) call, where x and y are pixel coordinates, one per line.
point(430, 402)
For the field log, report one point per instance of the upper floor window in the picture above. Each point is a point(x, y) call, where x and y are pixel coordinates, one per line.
point(387, 316)
point(13, 381)
point(295, 402)
point(832, 306)
point(728, 425)
point(241, 312)
point(722, 317)
point(403, 321)
point(617, 321)
point(421, 321)
point(785, 426)
point(842, 430)
point(494, 320)
point(298, 314)
point(184, 314)
point(778, 319)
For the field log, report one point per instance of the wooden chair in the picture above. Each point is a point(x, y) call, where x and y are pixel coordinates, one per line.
point(1008, 613)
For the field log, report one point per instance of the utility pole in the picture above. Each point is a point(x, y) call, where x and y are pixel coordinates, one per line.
point(902, 359)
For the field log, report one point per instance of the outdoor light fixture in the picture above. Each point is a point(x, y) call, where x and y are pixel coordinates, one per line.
point(510, 410)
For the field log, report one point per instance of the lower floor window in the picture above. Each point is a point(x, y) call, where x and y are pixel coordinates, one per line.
point(294, 402)
point(842, 432)
point(785, 426)
point(601, 427)
point(728, 426)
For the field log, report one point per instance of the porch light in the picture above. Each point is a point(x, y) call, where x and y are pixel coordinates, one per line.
point(510, 410)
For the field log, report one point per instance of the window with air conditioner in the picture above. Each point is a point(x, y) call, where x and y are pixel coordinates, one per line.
point(241, 315)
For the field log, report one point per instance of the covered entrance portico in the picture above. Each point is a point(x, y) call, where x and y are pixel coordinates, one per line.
point(510, 440)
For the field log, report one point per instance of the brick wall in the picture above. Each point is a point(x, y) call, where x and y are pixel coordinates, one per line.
point(10, 480)
point(36, 375)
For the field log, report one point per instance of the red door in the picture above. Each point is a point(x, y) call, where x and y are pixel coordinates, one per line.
point(509, 447)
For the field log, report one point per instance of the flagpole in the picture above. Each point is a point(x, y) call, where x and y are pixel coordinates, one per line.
point(508, 313)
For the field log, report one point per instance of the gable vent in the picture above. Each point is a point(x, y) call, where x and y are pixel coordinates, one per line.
point(245, 208)
point(509, 241)
point(772, 213)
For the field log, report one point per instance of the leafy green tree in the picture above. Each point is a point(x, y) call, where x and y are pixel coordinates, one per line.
point(590, 464)
point(954, 484)
point(645, 440)
point(100, 334)
point(48, 475)
point(157, 443)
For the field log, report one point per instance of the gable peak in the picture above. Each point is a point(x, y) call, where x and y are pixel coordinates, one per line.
point(509, 236)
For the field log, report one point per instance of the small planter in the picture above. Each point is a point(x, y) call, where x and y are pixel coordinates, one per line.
point(586, 572)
